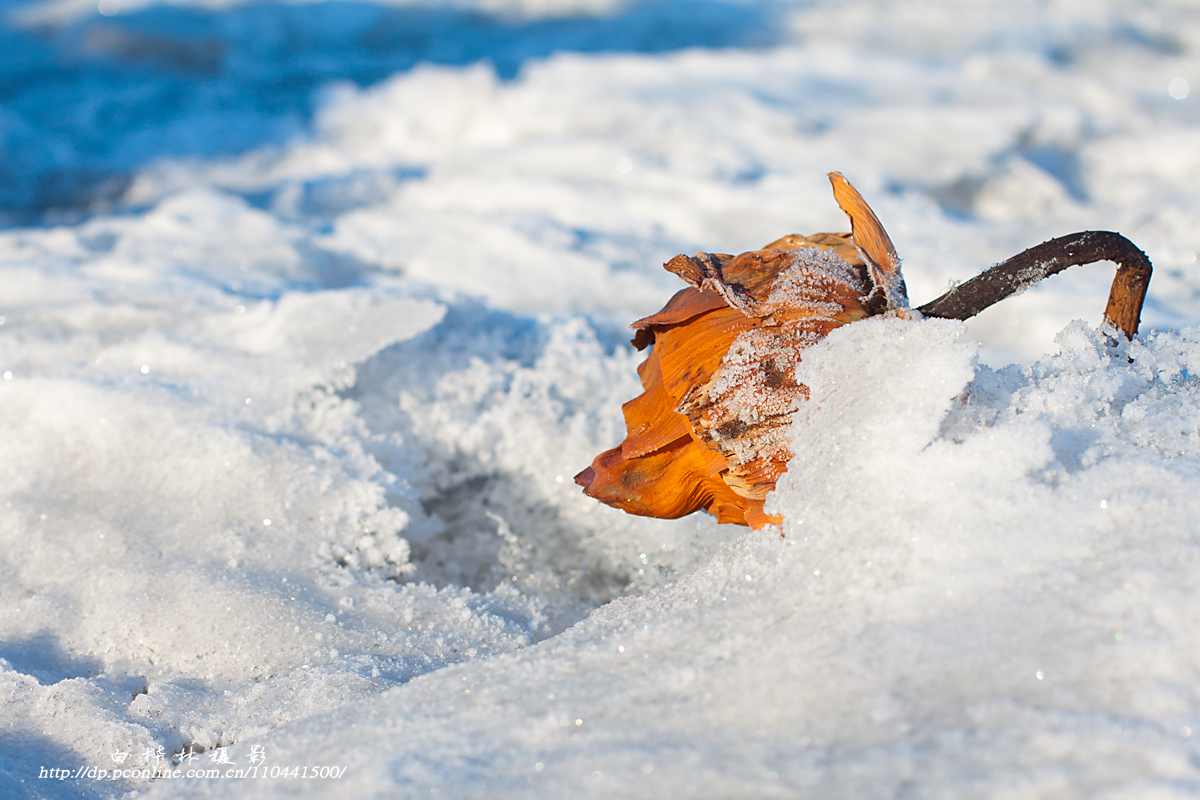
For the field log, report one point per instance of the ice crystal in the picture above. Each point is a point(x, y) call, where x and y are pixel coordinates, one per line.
point(804, 286)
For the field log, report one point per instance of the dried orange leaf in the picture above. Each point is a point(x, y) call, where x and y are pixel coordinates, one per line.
point(710, 429)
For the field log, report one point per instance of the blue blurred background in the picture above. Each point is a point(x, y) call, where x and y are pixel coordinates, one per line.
point(88, 93)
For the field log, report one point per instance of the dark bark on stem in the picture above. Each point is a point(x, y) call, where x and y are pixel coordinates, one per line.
point(1125, 298)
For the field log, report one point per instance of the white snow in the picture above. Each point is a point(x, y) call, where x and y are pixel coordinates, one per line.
point(310, 312)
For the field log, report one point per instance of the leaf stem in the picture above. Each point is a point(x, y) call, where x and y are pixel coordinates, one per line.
point(1125, 298)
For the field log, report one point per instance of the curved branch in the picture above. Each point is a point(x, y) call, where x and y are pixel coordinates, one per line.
point(1125, 298)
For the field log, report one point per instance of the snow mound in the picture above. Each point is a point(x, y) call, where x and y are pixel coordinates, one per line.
point(977, 569)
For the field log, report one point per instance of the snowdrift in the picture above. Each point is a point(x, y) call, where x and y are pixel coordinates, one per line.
point(303, 334)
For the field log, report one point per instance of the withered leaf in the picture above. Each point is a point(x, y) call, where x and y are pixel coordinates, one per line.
point(710, 428)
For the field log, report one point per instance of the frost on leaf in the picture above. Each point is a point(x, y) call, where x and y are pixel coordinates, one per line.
point(743, 410)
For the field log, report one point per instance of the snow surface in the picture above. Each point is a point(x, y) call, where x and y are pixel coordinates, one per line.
point(309, 313)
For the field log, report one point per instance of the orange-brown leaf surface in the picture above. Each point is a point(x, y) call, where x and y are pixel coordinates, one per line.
point(709, 431)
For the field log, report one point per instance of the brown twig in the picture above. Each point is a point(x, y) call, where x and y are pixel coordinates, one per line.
point(1125, 298)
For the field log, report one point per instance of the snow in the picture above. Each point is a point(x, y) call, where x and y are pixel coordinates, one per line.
point(309, 313)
